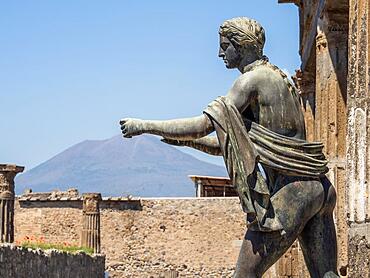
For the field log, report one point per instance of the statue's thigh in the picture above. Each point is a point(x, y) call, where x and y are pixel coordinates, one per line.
point(259, 251)
point(295, 203)
point(318, 238)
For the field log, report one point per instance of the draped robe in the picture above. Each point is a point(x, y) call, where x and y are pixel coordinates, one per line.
point(245, 145)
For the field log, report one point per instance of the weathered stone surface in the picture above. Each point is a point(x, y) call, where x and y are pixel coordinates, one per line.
point(331, 114)
point(359, 257)
point(322, 81)
point(150, 236)
point(358, 152)
point(359, 250)
point(90, 234)
point(26, 263)
point(69, 194)
point(7, 174)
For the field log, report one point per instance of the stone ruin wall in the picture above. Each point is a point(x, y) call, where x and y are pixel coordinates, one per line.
point(358, 136)
point(26, 263)
point(329, 100)
point(195, 237)
point(149, 237)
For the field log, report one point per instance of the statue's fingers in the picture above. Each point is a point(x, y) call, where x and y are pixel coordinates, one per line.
point(124, 130)
point(123, 121)
point(167, 141)
point(171, 141)
point(126, 133)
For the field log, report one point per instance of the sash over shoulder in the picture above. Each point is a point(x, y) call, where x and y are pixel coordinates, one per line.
point(244, 144)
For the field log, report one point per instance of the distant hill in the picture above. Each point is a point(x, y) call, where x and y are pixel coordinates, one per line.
point(141, 166)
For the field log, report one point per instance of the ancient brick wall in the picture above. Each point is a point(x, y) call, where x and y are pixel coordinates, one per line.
point(27, 263)
point(192, 236)
point(150, 237)
point(55, 221)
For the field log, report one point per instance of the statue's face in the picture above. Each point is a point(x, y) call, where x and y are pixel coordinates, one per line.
point(229, 53)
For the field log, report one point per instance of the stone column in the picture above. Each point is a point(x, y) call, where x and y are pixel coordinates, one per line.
point(331, 85)
point(331, 112)
point(199, 188)
point(7, 174)
point(305, 82)
point(358, 138)
point(90, 236)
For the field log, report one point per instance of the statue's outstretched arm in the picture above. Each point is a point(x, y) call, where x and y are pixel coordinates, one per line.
point(240, 95)
point(207, 144)
point(179, 129)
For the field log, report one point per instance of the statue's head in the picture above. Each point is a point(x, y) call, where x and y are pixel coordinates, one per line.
point(241, 40)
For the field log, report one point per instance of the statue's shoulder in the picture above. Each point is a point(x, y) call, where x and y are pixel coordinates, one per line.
point(258, 72)
point(263, 71)
point(281, 76)
point(263, 66)
point(260, 69)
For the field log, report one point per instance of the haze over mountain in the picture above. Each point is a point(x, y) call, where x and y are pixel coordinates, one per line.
point(141, 166)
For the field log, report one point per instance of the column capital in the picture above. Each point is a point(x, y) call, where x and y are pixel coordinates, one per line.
point(11, 168)
point(304, 81)
point(91, 202)
point(7, 174)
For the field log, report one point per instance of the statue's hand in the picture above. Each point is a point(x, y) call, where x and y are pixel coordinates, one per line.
point(131, 127)
point(175, 142)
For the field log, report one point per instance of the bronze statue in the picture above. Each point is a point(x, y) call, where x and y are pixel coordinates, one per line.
point(280, 177)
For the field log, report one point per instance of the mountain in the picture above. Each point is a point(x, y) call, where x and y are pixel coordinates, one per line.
point(140, 166)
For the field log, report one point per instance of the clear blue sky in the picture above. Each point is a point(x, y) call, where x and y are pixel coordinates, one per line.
point(69, 70)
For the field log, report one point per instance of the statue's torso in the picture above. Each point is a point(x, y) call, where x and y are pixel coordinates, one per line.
point(275, 105)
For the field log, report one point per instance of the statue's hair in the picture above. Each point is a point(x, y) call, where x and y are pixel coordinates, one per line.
point(242, 31)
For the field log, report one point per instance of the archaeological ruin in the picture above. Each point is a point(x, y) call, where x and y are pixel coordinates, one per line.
point(334, 87)
point(201, 236)
point(90, 235)
point(7, 196)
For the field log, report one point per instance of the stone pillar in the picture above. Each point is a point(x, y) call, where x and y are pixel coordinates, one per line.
point(291, 265)
point(305, 82)
point(199, 188)
point(358, 138)
point(323, 89)
point(90, 236)
point(7, 174)
point(331, 86)
point(331, 111)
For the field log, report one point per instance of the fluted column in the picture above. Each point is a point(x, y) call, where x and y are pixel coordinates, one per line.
point(90, 236)
point(358, 138)
point(331, 115)
point(305, 82)
point(7, 174)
